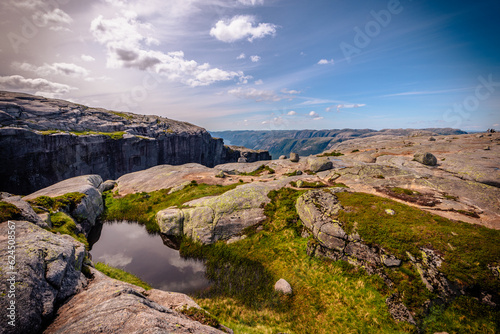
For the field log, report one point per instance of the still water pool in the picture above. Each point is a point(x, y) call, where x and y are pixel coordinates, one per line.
point(128, 246)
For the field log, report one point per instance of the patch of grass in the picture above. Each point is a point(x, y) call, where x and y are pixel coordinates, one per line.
point(201, 316)
point(122, 115)
point(113, 135)
point(405, 191)
point(380, 176)
point(49, 132)
point(121, 275)
point(354, 151)
point(450, 197)
point(456, 317)
point(468, 213)
point(259, 171)
point(142, 207)
point(466, 263)
point(64, 224)
point(67, 201)
point(294, 173)
point(9, 212)
point(326, 295)
point(330, 154)
point(309, 185)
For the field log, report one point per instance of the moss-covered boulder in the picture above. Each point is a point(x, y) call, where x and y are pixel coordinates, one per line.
point(219, 217)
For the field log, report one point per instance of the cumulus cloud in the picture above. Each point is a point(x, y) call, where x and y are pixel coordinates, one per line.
point(87, 58)
point(54, 18)
point(325, 62)
point(291, 113)
point(313, 114)
point(45, 13)
point(254, 59)
point(126, 41)
point(66, 69)
point(259, 82)
point(241, 56)
point(240, 27)
point(38, 85)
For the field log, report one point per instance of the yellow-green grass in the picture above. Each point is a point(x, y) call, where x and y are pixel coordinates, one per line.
point(67, 201)
point(328, 297)
point(121, 275)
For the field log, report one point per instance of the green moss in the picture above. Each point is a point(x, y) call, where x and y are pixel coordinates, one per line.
point(330, 154)
point(122, 115)
point(142, 207)
point(113, 135)
point(354, 151)
point(9, 212)
point(49, 132)
point(121, 275)
point(259, 171)
point(64, 224)
point(67, 201)
point(450, 197)
point(456, 317)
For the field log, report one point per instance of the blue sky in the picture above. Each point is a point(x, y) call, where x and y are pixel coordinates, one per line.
point(262, 64)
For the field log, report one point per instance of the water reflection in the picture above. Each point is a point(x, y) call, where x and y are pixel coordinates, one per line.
point(128, 246)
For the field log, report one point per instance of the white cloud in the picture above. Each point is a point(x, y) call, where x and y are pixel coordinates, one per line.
point(251, 2)
point(41, 86)
point(291, 113)
point(255, 94)
point(290, 92)
point(55, 17)
point(116, 260)
point(317, 118)
point(124, 38)
point(259, 82)
point(325, 62)
point(241, 56)
point(87, 58)
point(254, 59)
point(313, 114)
point(239, 27)
point(66, 69)
point(342, 106)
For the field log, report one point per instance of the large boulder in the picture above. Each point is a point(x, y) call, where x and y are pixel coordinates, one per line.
point(48, 271)
point(426, 158)
point(217, 218)
point(111, 306)
point(316, 164)
point(294, 157)
point(90, 207)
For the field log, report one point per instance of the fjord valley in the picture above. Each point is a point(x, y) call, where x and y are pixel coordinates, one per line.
point(396, 231)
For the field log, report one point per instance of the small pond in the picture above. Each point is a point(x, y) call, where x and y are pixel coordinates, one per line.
point(128, 246)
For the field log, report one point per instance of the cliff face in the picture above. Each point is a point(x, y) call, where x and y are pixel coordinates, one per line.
point(43, 141)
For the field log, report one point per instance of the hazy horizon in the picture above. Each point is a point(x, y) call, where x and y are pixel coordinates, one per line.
point(262, 64)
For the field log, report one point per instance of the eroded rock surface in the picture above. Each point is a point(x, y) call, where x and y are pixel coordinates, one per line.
point(111, 306)
point(48, 268)
point(90, 207)
point(48, 140)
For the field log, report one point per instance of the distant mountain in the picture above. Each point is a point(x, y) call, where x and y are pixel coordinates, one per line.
point(307, 142)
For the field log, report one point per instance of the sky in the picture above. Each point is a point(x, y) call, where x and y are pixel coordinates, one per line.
point(262, 64)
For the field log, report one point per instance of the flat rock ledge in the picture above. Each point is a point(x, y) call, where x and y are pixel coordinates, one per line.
point(110, 306)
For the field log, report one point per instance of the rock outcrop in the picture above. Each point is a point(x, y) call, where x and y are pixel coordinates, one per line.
point(111, 306)
point(43, 141)
point(47, 271)
point(217, 218)
point(91, 205)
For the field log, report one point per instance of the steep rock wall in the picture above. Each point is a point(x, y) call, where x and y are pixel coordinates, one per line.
point(43, 141)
